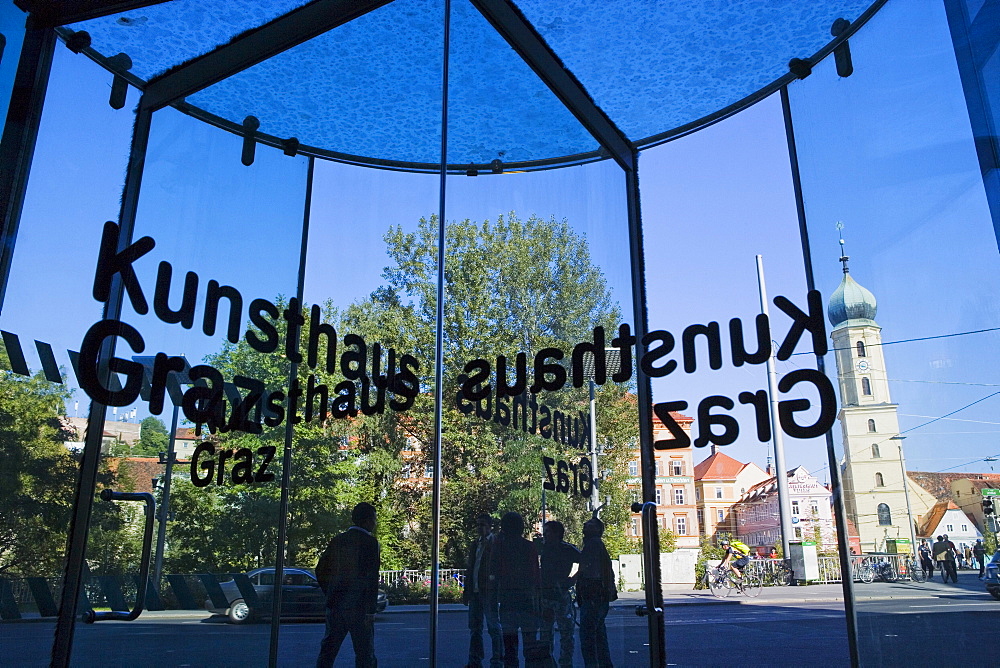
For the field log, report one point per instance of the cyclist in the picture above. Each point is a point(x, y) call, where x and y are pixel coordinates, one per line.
point(737, 556)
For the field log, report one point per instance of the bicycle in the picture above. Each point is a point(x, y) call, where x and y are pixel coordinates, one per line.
point(780, 575)
point(722, 582)
point(869, 571)
point(914, 571)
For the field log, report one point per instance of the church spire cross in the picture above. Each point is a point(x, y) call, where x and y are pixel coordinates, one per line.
point(843, 255)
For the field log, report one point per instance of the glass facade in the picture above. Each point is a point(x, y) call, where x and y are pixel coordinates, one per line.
point(279, 288)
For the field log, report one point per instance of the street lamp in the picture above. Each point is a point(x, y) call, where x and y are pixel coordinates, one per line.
point(612, 364)
point(906, 493)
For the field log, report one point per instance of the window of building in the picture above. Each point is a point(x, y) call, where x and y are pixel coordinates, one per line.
point(635, 496)
point(814, 507)
point(681, 523)
point(721, 514)
point(884, 515)
point(659, 498)
point(697, 493)
point(879, 481)
point(871, 426)
point(676, 467)
point(701, 520)
point(407, 470)
point(861, 349)
point(635, 526)
point(429, 471)
point(875, 453)
point(798, 532)
point(866, 386)
point(633, 468)
point(679, 496)
point(718, 492)
point(949, 527)
point(795, 507)
point(965, 527)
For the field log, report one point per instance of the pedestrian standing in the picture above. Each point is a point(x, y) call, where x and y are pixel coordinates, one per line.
point(558, 561)
point(926, 563)
point(940, 553)
point(595, 589)
point(481, 597)
point(979, 553)
point(347, 572)
point(951, 560)
point(515, 574)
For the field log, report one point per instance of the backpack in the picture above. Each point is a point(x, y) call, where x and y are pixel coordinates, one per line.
point(737, 546)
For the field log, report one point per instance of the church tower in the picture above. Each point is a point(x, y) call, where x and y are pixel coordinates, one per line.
point(872, 471)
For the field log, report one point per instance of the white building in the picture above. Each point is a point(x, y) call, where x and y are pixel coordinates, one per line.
point(759, 525)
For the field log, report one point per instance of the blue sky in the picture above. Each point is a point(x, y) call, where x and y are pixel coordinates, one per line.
point(887, 151)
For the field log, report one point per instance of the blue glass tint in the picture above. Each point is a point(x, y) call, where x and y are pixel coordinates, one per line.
point(888, 155)
point(12, 29)
point(161, 36)
point(654, 66)
point(371, 87)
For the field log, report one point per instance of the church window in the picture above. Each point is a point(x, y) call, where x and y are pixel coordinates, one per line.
point(879, 481)
point(866, 386)
point(861, 349)
point(884, 516)
point(871, 426)
point(875, 452)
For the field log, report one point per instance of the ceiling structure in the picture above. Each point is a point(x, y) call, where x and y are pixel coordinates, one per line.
point(369, 90)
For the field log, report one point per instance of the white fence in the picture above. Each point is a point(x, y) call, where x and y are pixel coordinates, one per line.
point(415, 576)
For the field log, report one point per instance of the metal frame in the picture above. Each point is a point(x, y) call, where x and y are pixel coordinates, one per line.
point(836, 487)
point(253, 47)
point(20, 131)
point(53, 13)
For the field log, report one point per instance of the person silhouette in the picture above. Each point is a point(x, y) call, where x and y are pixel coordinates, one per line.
point(481, 597)
point(558, 559)
point(348, 572)
point(595, 589)
point(515, 574)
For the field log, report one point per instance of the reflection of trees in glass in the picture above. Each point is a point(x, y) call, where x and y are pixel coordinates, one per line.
point(512, 286)
point(37, 483)
point(153, 438)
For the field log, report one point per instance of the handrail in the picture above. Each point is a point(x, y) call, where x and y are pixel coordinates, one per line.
point(92, 616)
point(651, 609)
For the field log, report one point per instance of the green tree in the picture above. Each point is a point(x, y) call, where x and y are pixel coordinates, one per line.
point(153, 438)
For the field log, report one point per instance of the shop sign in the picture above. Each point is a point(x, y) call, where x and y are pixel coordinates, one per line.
point(990, 492)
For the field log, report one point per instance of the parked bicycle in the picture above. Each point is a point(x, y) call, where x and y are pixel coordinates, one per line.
point(777, 574)
point(871, 570)
point(723, 582)
point(914, 571)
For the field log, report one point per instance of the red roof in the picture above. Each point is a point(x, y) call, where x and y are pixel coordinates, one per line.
point(718, 466)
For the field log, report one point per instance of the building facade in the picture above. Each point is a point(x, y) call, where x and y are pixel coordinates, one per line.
point(758, 523)
point(719, 482)
point(675, 487)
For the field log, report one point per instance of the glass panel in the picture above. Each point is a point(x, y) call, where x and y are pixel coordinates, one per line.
point(711, 202)
point(160, 36)
point(889, 154)
point(736, 49)
point(75, 185)
point(215, 293)
point(12, 29)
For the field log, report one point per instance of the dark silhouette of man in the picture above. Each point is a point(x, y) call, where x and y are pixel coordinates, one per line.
point(558, 559)
point(595, 589)
point(481, 597)
point(979, 554)
point(514, 572)
point(348, 573)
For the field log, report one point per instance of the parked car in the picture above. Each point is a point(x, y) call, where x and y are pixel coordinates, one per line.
point(992, 577)
point(301, 597)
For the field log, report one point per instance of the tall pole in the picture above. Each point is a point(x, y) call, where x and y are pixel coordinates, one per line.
point(779, 445)
point(595, 498)
point(161, 530)
point(906, 494)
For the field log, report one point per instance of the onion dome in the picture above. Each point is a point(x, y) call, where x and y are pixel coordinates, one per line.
point(851, 304)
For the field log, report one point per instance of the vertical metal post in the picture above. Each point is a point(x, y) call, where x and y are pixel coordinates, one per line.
point(17, 146)
point(161, 529)
point(439, 345)
point(86, 482)
point(595, 498)
point(286, 456)
point(644, 396)
point(781, 475)
point(906, 494)
point(839, 513)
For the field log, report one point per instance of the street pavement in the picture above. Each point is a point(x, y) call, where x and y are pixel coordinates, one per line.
point(898, 623)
